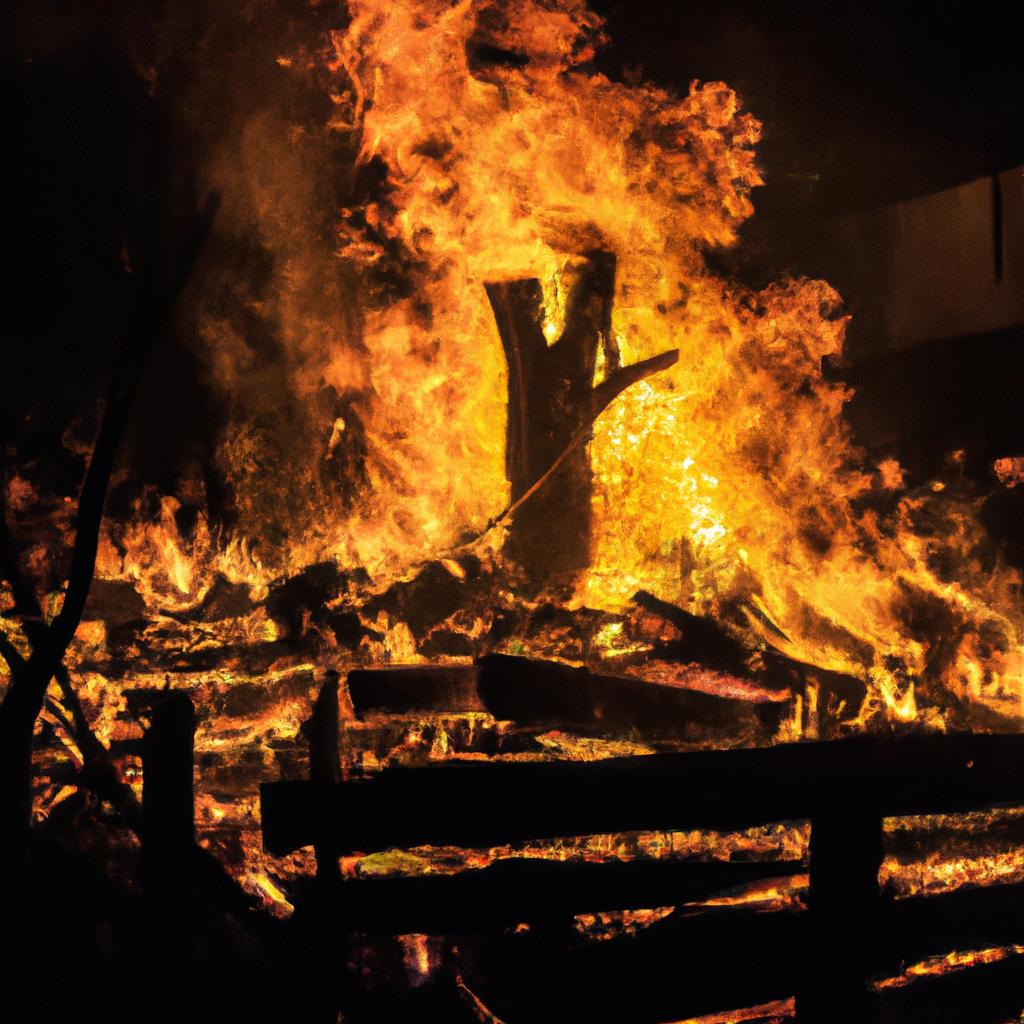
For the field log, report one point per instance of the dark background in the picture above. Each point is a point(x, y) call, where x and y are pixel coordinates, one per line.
point(862, 103)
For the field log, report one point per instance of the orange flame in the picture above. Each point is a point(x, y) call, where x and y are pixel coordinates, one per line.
point(729, 483)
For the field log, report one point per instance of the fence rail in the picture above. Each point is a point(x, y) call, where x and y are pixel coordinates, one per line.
point(687, 964)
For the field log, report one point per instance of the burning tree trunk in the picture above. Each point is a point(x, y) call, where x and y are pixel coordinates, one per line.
point(552, 404)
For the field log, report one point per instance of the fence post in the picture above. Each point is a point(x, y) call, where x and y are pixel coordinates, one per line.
point(845, 856)
point(322, 730)
point(168, 846)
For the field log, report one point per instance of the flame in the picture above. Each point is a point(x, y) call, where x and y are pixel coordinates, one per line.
point(958, 960)
point(1010, 470)
point(731, 478)
point(171, 571)
point(487, 149)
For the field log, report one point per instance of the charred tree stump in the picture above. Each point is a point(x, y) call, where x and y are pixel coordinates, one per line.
point(552, 402)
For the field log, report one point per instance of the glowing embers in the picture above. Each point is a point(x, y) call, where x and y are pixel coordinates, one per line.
point(940, 853)
point(935, 966)
point(1010, 471)
point(767, 1013)
point(782, 842)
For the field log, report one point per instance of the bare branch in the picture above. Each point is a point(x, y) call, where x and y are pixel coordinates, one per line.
point(626, 376)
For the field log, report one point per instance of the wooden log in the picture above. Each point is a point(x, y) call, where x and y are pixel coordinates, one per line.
point(521, 890)
point(703, 639)
point(550, 695)
point(480, 805)
point(547, 694)
point(414, 690)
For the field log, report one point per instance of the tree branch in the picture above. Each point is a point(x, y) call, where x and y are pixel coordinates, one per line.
point(626, 376)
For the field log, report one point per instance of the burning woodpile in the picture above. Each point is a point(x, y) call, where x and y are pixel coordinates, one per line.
point(514, 607)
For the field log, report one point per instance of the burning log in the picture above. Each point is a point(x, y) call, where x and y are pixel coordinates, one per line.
point(544, 695)
point(415, 690)
point(703, 639)
point(552, 404)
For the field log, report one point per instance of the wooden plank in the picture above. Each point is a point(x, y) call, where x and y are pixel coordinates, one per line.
point(687, 965)
point(168, 817)
point(927, 926)
point(547, 694)
point(168, 842)
point(480, 805)
point(983, 994)
point(522, 890)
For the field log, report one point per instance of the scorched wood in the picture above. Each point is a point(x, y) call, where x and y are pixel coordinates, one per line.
point(552, 402)
point(481, 805)
point(515, 890)
point(542, 695)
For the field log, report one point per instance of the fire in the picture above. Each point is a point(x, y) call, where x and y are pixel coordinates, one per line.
point(728, 484)
point(477, 146)
point(954, 961)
